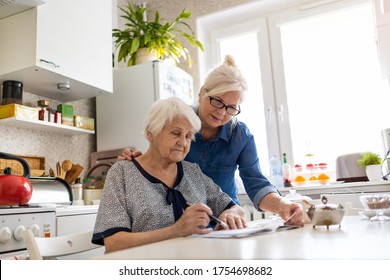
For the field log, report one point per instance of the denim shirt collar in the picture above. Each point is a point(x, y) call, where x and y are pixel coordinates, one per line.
point(224, 133)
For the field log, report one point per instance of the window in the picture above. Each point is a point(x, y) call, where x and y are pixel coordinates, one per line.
point(336, 99)
point(314, 78)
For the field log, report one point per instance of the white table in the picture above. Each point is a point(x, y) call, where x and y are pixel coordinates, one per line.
point(358, 238)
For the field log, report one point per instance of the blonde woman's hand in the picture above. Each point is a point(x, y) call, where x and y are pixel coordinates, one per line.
point(287, 210)
point(129, 154)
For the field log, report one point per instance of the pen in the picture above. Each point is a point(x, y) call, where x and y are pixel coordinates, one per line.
point(289, 218)
point(215, 219)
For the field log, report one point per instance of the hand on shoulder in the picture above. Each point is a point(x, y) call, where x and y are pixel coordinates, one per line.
point(128, 154)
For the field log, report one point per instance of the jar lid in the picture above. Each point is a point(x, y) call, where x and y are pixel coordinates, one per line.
point(327, 206)
point(43, 103)
point(12, 89)
point(13, 84)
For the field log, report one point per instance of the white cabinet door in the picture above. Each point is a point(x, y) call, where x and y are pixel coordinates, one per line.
point(384, 49)
point(62, 41)
point(76, 35)
point(382, 21)
point(382, 12)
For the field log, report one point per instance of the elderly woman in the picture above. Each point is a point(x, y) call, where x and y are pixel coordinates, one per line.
point(158, 196)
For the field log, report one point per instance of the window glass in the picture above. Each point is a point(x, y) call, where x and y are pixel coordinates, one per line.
point(252, 109)
point(337, 101)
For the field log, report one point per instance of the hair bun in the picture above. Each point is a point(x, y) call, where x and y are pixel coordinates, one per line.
point(229, 60)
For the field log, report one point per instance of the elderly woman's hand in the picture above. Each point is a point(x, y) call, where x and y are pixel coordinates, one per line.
point(194, 220)
point(234, 218)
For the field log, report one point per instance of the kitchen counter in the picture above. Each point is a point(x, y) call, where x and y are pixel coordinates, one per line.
point(315, 191)
point(358, 238)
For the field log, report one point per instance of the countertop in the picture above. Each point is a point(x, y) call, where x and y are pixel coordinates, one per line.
point(357, 238)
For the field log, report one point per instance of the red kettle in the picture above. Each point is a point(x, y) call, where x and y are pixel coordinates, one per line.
point(15, 190)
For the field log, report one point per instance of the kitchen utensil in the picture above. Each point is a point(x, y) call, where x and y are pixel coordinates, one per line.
point(51, 172)
point(66, 166)
point(326, 214)
point(377, 202)
point(70, 173)
point(15, 189)
point(76, 174)
point(60, 171)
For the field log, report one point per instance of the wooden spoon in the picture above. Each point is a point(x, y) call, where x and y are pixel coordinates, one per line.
point(66, 166)
point(60, 172)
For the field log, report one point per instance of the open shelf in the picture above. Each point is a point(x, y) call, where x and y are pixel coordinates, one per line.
point(44, 126)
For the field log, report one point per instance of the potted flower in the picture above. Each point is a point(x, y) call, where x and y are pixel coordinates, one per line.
point(157, 37)
point(372, 163)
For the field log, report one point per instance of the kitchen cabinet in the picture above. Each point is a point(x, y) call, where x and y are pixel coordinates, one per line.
point(60, 42)
point(382, 21)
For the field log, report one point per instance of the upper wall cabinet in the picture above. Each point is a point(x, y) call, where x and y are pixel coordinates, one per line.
point(382, 19)
point(60, 43)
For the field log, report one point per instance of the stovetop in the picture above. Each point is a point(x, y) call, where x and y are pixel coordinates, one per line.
point(9, 210)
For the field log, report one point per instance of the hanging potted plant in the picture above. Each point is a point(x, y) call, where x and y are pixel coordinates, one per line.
point(373, 165)
point(160, 39)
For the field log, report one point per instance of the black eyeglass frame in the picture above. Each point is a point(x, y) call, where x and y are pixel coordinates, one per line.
point(223, 105)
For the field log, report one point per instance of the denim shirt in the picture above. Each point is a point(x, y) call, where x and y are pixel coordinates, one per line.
point(220, 157)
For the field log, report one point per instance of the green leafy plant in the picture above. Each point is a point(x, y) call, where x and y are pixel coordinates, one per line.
point(369, 158)
point(154, 35)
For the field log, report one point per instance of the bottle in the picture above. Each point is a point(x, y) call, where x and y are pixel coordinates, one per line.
point(44, 111)
point(276, 175)
point(77, 190)
point(104, 174)
point(46, 230)
point(287, 174)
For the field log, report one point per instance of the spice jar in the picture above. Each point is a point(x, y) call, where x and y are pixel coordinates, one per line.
point(44, 112)
point(12, 93)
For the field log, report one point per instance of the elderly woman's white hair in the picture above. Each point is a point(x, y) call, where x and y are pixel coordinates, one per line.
point(224, 78)
point(164, 111)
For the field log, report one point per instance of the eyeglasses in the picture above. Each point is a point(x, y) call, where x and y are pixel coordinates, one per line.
point(231, 110)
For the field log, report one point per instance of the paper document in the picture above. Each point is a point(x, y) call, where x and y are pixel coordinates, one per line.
point(254, 228)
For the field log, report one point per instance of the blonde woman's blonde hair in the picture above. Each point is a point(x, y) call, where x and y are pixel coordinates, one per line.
point(224, 78)
point(164, 111)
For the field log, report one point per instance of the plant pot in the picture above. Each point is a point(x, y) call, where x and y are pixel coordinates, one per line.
point(144, 55)
point(374, 172)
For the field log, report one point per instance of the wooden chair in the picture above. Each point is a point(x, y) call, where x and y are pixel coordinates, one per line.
point(40, 248)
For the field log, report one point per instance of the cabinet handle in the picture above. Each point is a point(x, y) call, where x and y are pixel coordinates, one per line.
point(50, 62)
point(281, 114)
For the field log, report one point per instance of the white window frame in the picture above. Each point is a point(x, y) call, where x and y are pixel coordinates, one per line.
point(266, 16)
point(260, 27)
